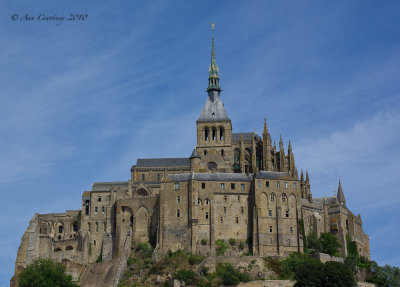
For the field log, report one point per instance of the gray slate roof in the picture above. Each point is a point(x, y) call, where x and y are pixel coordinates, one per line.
point(105, 186)
point(211, 177)
point(195, 154)
point(214, 111)
point(326, 200)
point(163, 162)
point(274, 175)
point(245, 137)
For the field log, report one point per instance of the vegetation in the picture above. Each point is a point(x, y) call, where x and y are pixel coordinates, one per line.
point(232, 241)
point(326, 243)
point(241, 246)
point(220, 247)
point(204, 241)
point(44, 272)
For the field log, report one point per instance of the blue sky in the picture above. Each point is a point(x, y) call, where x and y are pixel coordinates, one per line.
point(81, 101)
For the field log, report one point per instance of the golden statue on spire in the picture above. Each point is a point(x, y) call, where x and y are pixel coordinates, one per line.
point(212, 26)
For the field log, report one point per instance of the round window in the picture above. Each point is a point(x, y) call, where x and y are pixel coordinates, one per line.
point(211, 165)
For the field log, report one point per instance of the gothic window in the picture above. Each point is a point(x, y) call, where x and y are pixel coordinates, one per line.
point(87, 207)
point(221, 133)
point(207, 201)
point(212, 165)
point(224, 209)
point(278, 184)
point(267, 183)
point(232, 186)
point(222, 152)
point(236, 160)
point(242, 209)
point(214, 134)
point(178, 213)
point(95, 210)
point(347, 225)
point(286, 185)
point(176, 186)
point(206, 215)
point(94, 242)
point(60, 229)
point(99, 198)
point(198, 201)
point(205, 152)
point(206, 134)
point(237, 219)
point(242, 187)
point(238, 198)
point(291, 229)
point(294, 185)
point(222, 219)
point(283, 197)
point(203, 185)
point(178, 199)
point(269, 212)
point(272, 197)
point(287, 213)
point(102, 209)
point(270, 229)
point(222, 185)
point(75, 226)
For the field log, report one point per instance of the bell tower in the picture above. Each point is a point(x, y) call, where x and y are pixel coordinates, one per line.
point(214, 127)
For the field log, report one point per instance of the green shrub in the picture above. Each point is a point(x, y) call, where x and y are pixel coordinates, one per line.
point(45, 272)
point(195, 259)
point(220, 247)
point(232, 241)
point(241, 246)
point(99, 258)
point(167, 284)
point(329, 244)
point(130, 261)
point(229, 275)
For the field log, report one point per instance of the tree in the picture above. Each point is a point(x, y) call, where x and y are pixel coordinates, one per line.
point(313, 242)
point(386, 276)
point(329, 244)
point(337, 274)
point(45, 272)
point(310, 273)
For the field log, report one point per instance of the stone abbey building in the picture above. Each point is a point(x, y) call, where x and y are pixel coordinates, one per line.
point(233, 185)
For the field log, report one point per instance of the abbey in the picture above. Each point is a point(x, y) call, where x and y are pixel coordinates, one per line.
point(237, 187)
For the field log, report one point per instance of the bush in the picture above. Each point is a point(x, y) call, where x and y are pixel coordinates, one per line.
point(338, 274)
point(232, 241)
point(99, 258)
point(309, 273)
point(204, 241)
point(241, 246)
point(45, 272)
point(195, 259)
point(221, 247)
point(229, 275)
point(329, 244)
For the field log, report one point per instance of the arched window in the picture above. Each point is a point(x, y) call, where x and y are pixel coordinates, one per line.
point(236, 160)
point(206, 134)
point(221, 134)
point(60, 229)
point(58, 249)
point(222, 152)
point(214, 134)
point(272, 197)
point(97, 227)
point(69, 247)
point(283, 197)
point(75, 226)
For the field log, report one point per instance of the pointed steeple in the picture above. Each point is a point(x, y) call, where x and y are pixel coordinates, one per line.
point(302, 176)
point(214, 109)
point(281, 144)
point(340, 195)
point(307, 178)
point(265, 127)
point(213, 79)
point(289, 147)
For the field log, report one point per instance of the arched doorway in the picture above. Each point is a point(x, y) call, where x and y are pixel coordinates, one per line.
point(142, 225)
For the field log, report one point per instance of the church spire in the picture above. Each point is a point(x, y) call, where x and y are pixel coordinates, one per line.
point(213, 79)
